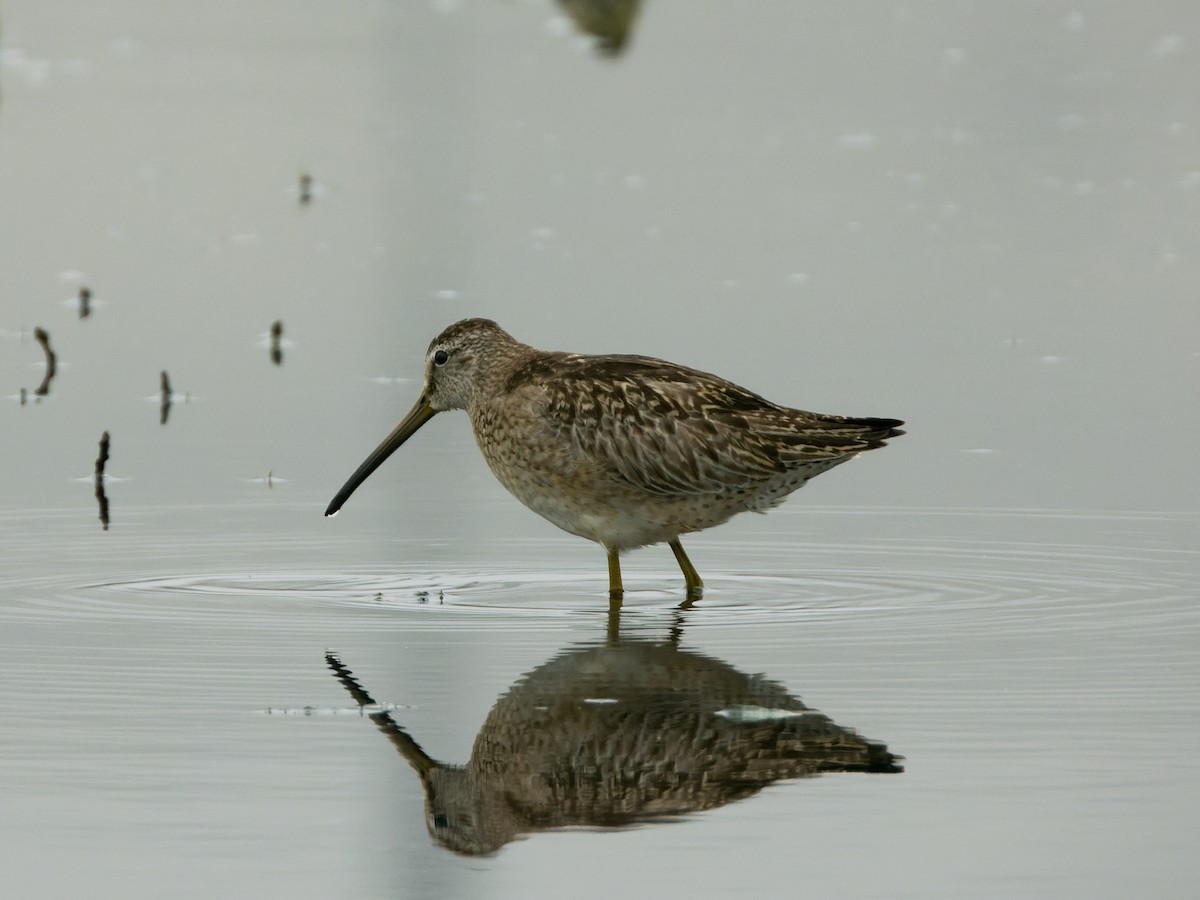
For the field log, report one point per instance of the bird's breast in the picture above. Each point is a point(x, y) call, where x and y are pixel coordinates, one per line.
point(541, 465)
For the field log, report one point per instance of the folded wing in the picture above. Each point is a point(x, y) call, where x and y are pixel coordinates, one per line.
point(672, 430)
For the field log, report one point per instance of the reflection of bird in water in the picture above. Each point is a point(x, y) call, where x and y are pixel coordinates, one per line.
point(609, 21)
point(622, 450)
point(621, 733)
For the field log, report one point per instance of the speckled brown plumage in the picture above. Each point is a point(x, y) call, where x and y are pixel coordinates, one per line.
point(625, 451)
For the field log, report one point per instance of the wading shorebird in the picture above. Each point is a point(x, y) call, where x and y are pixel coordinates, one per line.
point(625, 451)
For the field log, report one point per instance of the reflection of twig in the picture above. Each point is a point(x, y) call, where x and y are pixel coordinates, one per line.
point(85, 302)
point(51, 361)
point(101, 497)
point(305, 188)
point(276, 338)
point(164, 407)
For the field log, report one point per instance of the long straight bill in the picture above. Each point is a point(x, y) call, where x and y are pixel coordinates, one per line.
point(421, 413)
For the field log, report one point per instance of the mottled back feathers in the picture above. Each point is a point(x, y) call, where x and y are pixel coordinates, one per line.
point(670, 429)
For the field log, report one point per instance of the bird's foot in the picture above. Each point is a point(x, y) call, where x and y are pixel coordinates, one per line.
point(694, 593)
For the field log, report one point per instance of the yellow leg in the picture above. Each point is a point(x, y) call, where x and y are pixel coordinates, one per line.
point(615, 590)
point(691, 578)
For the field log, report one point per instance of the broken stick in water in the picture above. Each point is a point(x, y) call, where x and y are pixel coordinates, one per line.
point(43, 338)
point(101, 496)
point(276, 342)
point(164, 406)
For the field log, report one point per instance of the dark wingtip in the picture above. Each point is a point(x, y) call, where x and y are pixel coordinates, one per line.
point(881, 430)
point(881, 759)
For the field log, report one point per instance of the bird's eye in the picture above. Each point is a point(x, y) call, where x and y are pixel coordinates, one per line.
point(440, 358)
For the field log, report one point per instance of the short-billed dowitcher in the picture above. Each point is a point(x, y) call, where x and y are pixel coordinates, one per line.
point(625, 451)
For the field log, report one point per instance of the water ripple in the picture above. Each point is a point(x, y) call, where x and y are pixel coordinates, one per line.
point(888, 583)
